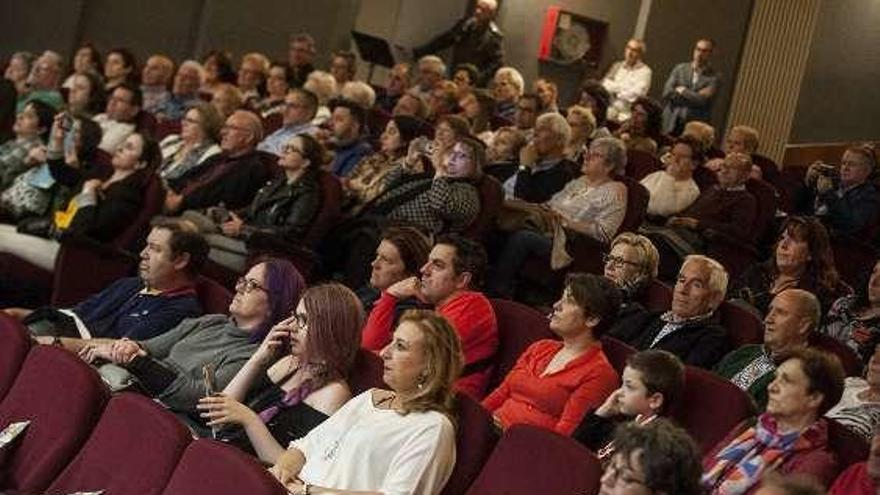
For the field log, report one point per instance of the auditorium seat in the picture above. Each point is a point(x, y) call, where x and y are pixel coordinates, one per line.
point(851, 362)
point(63, 398)
point(491, 199)
point(85, 266)
point(366, 373)
point(530, 460)
point(133, 450)
point(519, 326)
point(133, 236)
point(475, 437)
point(617, 352)
point(14, 345)
point(209, 467)
point(657, 296)
point(710, 406)
point(849, 447)
point(743, 325)
point(640, 164)
point(213, 297)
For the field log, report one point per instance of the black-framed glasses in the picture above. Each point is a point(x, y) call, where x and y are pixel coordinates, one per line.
point(618, 261)
point(300, 321)
point(247, 285)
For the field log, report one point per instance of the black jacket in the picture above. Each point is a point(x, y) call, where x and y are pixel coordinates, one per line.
point(471, 44)
point(283, 209)
point(538, 186)
point(700, 343)
point(231, 181)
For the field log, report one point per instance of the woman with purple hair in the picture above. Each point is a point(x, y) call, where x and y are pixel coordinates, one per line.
point(313, 351)
point(171, 367)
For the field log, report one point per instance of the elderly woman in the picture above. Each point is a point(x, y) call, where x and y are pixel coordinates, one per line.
point(297, 377)
point(197, 141)
point(277, 85)
point(284, 208)
point(642, 131)
point(673, 189)
point(31, 129)
point(790, 437)
point(555, 382)
point(855, 319)
point(251, 79)
point(847, 200)
point(859, 407)
point(508, 85)
point(802, 259)
point(631, 264)
point(401, 254)
point(406, 433)
point(324, 86)
point(593, 205)
point(170, 367)
point(583, 125)
point(503, 152)
point(18, 69)
point(101, 210)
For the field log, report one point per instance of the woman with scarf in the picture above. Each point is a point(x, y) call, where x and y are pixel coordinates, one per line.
point(791, 437)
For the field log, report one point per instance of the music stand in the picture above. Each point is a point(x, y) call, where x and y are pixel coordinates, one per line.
point(373, 50)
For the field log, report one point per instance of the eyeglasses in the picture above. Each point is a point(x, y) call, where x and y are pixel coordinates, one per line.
point(294, 105)
point(247, 285)
point(618, 261)
point(623, 474)
point(300, 321)
point(191, 121)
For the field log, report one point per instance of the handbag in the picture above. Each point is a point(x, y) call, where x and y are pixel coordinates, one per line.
point(116, 377)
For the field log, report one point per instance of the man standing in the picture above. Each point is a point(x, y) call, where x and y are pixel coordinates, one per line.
point(300, 58)
point(627, 80)
point(475, 40)
point(300, 106)
point(690, 90)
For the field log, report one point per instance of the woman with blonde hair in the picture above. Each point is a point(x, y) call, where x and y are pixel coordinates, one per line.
point(400, 440)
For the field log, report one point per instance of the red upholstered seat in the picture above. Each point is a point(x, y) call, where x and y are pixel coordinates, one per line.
point(63, 398)
point(165, 128)
point(617, 352)
point(475, 437)
point(214, 468)
point(491, 199)
point(657, 296)
point(133, 450)
point(519, 326)
point(710, 406)
point(85, 266)
point(272, 123)
point(213, 297)
point(848, 357)
point(849, 447)
point(743, 326)
point(366, 372)
point(640, 164)
point(531, 460)
point(14, 345)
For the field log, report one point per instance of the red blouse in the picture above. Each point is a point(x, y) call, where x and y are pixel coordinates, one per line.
point(557, 401)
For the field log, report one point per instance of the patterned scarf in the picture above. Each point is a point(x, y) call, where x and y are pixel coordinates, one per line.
point(739, 466)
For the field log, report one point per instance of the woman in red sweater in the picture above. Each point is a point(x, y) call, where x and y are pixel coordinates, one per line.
point(554, 383)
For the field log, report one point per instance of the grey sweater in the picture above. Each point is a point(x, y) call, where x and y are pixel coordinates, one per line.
point(192, 344)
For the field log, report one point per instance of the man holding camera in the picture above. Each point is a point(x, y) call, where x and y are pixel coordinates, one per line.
point(846, 198)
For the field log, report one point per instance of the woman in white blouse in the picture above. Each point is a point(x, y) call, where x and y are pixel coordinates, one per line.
point(390, 442)
point(593, 205)
point(672, 190)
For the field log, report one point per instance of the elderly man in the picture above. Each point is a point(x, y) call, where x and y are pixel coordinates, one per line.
point(543, 168)
point(155, 79)
point(252, 73)
point(689, 329)
point(300, 107)
point(847, 201)
point(449, 283)
point(627, 80)
point(43, 82)
point(349, 141)
point(398, 84)
point(412, 105)
point(135, 307)
point(475, 39)
point(118, 120)
point(230, 178)
point(300, 58)
point(184, 91)
point(791, 320)
point(690, 90)
point(431, 70)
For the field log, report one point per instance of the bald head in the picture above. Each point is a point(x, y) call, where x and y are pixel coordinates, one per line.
point(792, 317)
point(241, 133)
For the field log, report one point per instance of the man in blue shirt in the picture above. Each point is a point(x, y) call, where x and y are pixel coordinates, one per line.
point(349, 131)
point(300, 107)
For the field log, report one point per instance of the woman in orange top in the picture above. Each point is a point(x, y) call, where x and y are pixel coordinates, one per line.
point(554, 383)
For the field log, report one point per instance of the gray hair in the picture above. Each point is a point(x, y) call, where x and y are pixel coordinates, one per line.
point(614, 151)
point(557, 124)
point(192, 64)
point(718, 277)
point(359, 92)
point(433, 63)
point(323, 84)
point(513, 77)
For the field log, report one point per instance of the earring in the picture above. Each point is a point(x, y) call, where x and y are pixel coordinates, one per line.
point(421, 383)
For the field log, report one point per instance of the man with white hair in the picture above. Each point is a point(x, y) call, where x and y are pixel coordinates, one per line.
point(627, 80)
point(507, 87)
point(184, 91)
point(689, 329)
point(43, 82)
point(155, 78)
point(543, 168)
point(475, 39)
point(430, 71)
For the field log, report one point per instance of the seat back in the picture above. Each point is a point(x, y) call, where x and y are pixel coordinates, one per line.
point(636, 204)
point(765, 194)
point(366, 373)
point(491, 199)
point(851, 362)
point(213, 297)
point(640, 164)
point(617, 352)
point(475, 437)
point(849, 447)
point(854, 259)
point(212, 467)
point(657, 296)
point(63, 398)
point(165, 128)
point(519, 326)
point(710, 406)
point(743, 326)
point(108, 462)
point(15, 343)
point(330, 212)
point(133, 236)
point(531, 460)
point(272, 123)
point(84, 267)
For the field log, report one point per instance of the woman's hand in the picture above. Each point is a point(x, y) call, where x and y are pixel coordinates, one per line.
point(276, 339)
point(91, 186)
point(36, 156)
point(286, 468)
point(124, 350)
point(221, 410)
point(232, 227)
point(611, 406)
point(58, 131)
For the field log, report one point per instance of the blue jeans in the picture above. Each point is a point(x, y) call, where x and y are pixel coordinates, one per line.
point(520, 246)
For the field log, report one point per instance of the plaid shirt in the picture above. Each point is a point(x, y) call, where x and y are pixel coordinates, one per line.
point(449, 205)
point(12, 155)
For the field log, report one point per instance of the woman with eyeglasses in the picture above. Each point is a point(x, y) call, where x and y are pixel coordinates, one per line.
point(170, 367)
point(198, 140)
point(632, 264)
point(283, 209)
point(295, 379)
point(555, 382)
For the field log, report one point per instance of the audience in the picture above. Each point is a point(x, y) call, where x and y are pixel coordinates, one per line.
point(43, 82)
point(300, 58)
point(358, 92)
point(189, 78)
point(791, 320)
point(689, 329)
point(277, 86)
point(673, 189)
point(295, 380)
point(407, 433)
point(299, 109)
point(527, 111)
point(478, 107)
point(323, 85)
point(411, 105)
point(431, 70)
point(197, 142)
point(853, 319)
point(349, 139)
point(170, 367)
point(555, 382)
point(652, 381)
point(449, 282)
point(548, 95)
point(118, 120)
point(690, 90)
point(595, 97)
point(155, 81)
point(631, 264)
point(543, 168)
point(627, 80)
point(31, 128)
point(790, 437)
point(465, 77)
point(508, 86)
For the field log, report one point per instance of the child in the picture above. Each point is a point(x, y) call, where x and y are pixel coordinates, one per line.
point(652, 380)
